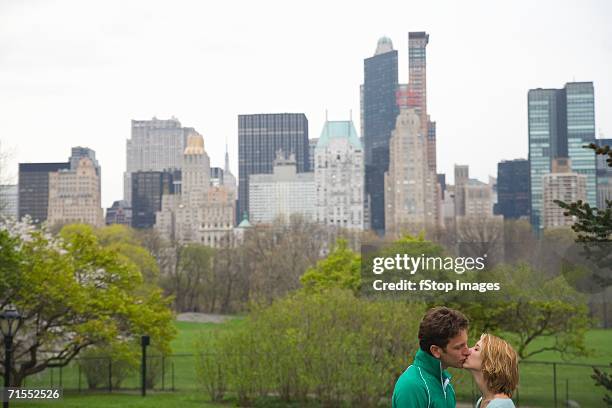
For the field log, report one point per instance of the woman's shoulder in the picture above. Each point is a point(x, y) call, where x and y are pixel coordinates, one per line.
point(501, 403)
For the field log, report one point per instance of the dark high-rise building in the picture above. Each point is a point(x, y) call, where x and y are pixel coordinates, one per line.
point(260, 137)
point(561, 121)
point(441, 177)
point(380, 109)
point(513, 188)
point(34, 189)
point(147, 190)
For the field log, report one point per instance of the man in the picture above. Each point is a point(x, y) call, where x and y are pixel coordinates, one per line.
point(442, 343)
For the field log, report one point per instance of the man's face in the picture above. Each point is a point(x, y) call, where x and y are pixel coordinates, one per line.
point(455, 353)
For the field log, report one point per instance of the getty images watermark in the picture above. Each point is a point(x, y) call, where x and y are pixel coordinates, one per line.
point(420, 270)
point(405, 264)
point(467, 271)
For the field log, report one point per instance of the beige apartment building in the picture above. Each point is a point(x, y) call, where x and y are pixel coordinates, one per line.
point(202, 213)
point(74, 195)
point(564, 185)
point(409, 185)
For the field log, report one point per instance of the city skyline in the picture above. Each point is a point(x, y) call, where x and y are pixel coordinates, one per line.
point(79, 82)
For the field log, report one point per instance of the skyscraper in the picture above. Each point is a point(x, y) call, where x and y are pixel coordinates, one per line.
point(561, 121)
point(408, 182)
point(260, 136)
point(34, 189)
point(147, 190)
point(339, 176)
point(417, 70)
point(561, 184)
point(8, 200)
point(79, 152)
point(380, 110)
point(155, 145)
point(74, 195)
point(513, 188)
point(283, 193)
point(203, 211)
point(580, 108)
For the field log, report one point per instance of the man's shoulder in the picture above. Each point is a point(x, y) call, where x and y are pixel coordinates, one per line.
point(411, 390)
point(412, 377)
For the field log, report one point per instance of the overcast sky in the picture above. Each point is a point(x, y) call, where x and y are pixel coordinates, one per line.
point(76, 72)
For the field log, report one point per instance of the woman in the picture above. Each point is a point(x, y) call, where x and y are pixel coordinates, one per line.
point(494, 365)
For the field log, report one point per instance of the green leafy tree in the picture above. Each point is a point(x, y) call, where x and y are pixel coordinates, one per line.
point(537, 313)
point(341, 269)
point(594, 225)
point(125, 242)
point(74, 293)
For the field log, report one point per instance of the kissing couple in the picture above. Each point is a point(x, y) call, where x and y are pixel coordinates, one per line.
point(443, 343)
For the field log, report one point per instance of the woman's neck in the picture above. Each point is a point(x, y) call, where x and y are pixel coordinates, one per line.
point(480, 382)
point(487, 395)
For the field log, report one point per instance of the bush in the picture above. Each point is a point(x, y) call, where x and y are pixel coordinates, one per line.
point(95, 365)
point(331, 344)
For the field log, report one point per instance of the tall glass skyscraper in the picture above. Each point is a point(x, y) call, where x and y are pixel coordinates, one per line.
point(580, 109)
point(561, 122)
point(380, 110)
point(260, 137)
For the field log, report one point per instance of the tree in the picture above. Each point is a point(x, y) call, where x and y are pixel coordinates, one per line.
point(192, 282)
point(535, 306)
point(604, 380)
point(73, 293)
point(125, 242)
point(278, 254)
point(594, 225)
point(477, 236)
point(341, 269)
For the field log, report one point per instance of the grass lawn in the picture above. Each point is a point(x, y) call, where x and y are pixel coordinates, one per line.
point(536, 389)
point(189, 332)
point(536, 378)
point(152, 400)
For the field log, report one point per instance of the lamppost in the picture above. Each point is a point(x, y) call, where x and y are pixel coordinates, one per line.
point(9, 319)
point(144, 342)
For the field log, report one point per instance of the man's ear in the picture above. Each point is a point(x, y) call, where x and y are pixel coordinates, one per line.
point(436, 351)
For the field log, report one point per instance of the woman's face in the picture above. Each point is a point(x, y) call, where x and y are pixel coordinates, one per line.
point(474, 360)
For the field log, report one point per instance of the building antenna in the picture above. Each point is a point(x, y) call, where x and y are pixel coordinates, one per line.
point(326, 115)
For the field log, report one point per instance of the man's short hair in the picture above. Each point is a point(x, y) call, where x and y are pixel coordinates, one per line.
point(439, 325)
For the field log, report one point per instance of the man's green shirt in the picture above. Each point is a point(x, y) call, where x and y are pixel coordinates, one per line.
point(424, 385)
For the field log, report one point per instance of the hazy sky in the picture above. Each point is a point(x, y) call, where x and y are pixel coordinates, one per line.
point(76, 72)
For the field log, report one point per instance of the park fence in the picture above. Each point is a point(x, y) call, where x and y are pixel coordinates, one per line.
point(542, 383)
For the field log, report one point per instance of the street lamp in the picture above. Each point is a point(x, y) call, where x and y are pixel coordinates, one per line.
point(9, 319)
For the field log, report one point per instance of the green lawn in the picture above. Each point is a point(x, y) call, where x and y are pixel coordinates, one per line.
point(123, 400)
point(536, 378)
point(189, 332)
point(536, 387)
